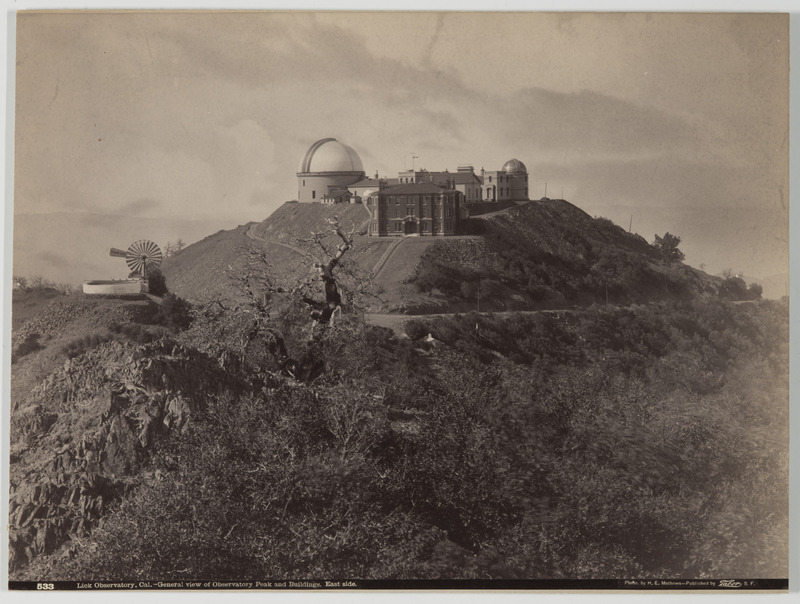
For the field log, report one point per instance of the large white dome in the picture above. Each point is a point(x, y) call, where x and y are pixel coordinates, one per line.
point(329, 155)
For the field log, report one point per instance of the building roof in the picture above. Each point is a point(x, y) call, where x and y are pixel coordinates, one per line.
point(367, 182)
point(514, 165)
point(461, 178)
point(329, 155)
point(412, 188)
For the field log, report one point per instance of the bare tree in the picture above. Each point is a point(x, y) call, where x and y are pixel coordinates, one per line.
point(267, 302)
point(325, 311)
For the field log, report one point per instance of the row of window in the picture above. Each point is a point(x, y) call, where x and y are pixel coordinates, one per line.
point(415, 227)
point(401, 212)
point(503, 178)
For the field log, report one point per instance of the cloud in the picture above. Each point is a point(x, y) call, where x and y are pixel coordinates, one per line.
point(52, 260)
point(140, 207)
point(160, 113)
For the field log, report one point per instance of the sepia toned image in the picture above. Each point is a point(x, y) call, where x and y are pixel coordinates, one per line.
point(399, 300)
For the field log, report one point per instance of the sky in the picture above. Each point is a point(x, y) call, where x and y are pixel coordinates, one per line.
point(661, 122)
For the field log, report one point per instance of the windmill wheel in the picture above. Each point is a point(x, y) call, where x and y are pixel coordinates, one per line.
point(142, 256)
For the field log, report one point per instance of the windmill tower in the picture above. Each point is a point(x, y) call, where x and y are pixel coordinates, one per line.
point(142, 257)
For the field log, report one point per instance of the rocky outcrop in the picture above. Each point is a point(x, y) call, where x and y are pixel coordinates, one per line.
point(80, 439)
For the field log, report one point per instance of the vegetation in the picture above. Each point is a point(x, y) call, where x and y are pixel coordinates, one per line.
point(569, 260)
point(667, 247)
point(28, 345)
point(646, 440)
point(595, 443)
point(174, 313)
point(515, 275)
point(37, 282)
point(156, 282)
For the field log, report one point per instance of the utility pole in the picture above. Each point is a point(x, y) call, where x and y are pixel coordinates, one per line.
point(630, 224)
point(479, 311)
point(414, 156)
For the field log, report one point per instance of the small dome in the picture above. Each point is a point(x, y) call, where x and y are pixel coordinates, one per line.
point(329, 155)
point(514, 165)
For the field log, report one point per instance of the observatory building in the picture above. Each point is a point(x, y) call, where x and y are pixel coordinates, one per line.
point(325, 172)
point(417, 202)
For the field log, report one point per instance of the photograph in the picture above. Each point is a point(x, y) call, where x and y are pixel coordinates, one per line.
point(397, 300)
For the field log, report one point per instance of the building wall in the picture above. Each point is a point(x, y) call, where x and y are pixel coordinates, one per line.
point(518, 186)
point(504, 186)
point(423, 214)
point(313, 186)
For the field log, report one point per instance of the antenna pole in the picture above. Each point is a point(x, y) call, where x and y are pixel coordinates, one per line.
point(545, 189)
point(479, 311)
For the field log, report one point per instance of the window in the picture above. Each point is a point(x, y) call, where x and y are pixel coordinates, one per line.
point(304, 182)
point(490, 179)
point(313, 194)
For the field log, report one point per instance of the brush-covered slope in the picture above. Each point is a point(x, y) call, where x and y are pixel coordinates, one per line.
point(549, 254)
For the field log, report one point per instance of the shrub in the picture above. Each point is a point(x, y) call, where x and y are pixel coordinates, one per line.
point(81, 345)
point(156, 282)
point(134, 332)
point(416, 329)
point(667, 247)
point(28, 345)
point(175, 313)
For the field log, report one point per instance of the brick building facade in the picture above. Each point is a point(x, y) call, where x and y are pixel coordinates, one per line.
point(423, 209)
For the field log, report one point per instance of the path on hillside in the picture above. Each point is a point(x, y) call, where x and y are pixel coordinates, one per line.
point(250, 233)
point(397, 322)
point(385, 258)
point(398, 267)
point(503, 211)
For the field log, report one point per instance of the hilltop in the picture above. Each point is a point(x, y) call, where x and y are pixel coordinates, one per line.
point(542, 254)
point(200, 271)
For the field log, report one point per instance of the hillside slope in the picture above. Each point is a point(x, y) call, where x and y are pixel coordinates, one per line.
point(543, 254)
point(550, 254)
point(199, 272)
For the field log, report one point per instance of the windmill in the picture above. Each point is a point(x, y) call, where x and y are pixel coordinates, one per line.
point(142, 256)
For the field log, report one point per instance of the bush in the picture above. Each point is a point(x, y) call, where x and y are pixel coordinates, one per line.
point(134, 332)
point(28, 345)
point(416, 329)
point(667, 247)
point(156, 282)
point(81, 345)
point(174, 313)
